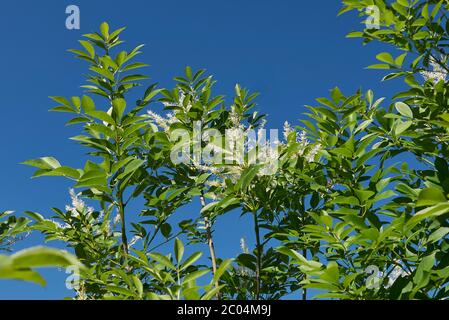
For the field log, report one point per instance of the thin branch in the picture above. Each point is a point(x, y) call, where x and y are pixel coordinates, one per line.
point(259, 251)
point(210, 241)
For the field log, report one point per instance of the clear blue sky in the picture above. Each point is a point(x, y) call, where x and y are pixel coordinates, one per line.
point(290, 51)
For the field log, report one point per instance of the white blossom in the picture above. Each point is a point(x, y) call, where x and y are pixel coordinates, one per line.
point(244, 271)
point(117, 218)
point(437, 74)
point(287, 130)
point(243, 245)
point(310, 157)
point(59, 225)
point(78, 205)
point(234, 117)
point(134, 241)
point(301, 138)
point(179, 103)
point(268, 155)
point(206, 167)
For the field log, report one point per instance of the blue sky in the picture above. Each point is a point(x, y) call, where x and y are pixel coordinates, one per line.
point(290, 51)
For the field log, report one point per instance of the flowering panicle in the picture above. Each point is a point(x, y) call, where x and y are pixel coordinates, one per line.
point(437, 74)
point(78, 205)
point(59, 225)
point(180, 102)
point(163, 122)
point(287, 130)
point(234, 117)
point(310, 157)
point(301, 138)
point(244, 271)
point(134, 241)
point(117, 219)
point(268, 154)
point(206, 167)
point(243, 245)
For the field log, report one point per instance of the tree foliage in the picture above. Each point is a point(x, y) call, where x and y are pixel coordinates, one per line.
point(356, 207)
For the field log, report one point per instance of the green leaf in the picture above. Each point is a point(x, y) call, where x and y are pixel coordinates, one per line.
point(119, 106)
point(89, 48)
point(59, 172)
point(195, 275)
point(87, 104)
point(135, 65)
point(131, 167)
point(400, 60)
point(438, 235)
point(138, 285)
point(104, 29)
point(212, 293)
point(101, 115)
point(42, 257)
point(179, 250)
point(46, 163)
point(24, 275)
point(342, 152)
point(166, 230)
point(221, 270)
point(247, 177)
point(18, 266)
point(402, 127)
point(430, 197)
point(404, 109)
point(162, 260)
point(61, 100)
point(299, 259)
point(434, 211)
point(421, 277)
point(122, 291)
point(385, 57)
point(34, 215)
point(379, 66)
point(93, 178)
point(190, 260)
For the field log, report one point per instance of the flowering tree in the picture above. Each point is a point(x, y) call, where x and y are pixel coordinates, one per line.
point(335, 208)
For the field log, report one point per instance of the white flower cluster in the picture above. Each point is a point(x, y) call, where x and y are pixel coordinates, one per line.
point(301, 139)
point(180, 102)
point(235, 118)
point(78, 205)
point(117, 218)
point(244, 271)
point(269, 156)
point(59, 225)
point(310, 157)
point(243, 245)
point(134, 241)
point(206, 167)
point(287, 130)
point(437, 74)
point(163, 122)
point(170, 118)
